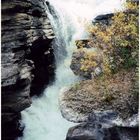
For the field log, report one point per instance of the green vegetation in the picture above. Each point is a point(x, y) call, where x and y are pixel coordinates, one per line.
point(118, 41)
point(76, 86)
point(89, 61)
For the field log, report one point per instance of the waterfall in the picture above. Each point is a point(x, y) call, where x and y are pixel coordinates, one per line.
point(43, 120)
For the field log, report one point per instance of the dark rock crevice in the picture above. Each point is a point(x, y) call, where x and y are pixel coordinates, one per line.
point(44, 65)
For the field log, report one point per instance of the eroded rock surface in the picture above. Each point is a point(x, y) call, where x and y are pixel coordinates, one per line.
point(26, 55)
point(100, 126)
point(92, 131)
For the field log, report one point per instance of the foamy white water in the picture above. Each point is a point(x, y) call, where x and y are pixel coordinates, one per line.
point(43, 120)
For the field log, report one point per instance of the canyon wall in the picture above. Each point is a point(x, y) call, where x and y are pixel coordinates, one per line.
point(27, 58)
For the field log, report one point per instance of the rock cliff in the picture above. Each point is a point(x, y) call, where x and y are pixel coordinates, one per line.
point(27, 58)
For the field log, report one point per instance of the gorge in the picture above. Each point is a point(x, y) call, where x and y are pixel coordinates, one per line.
point(50, 43)
point(43, 118)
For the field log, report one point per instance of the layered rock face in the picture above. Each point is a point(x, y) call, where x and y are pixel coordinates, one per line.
point(27, 58)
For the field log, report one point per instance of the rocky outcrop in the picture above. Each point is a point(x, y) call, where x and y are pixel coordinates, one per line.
point(103, 19)
point(100, 126)
point(117, 93)
point(105, 109)
point(93, 63)
point(26, 55)
point(86, 70)
point(106, 106)
point(85, 47)
point(92, 130)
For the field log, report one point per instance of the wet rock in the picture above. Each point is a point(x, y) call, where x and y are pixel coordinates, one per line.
point(43, 58)
point(91, 131)
point(26, 36)
point(101, 126)
point(112, 118)
point(103, 116)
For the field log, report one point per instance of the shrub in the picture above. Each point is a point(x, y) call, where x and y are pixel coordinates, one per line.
point(89, 61)
point(119, 41)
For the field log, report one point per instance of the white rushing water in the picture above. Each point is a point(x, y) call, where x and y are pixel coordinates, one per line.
point(43, 120)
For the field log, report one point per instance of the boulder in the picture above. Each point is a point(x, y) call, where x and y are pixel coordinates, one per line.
point(103, 19)
point(100, 126)
point(92, 131)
